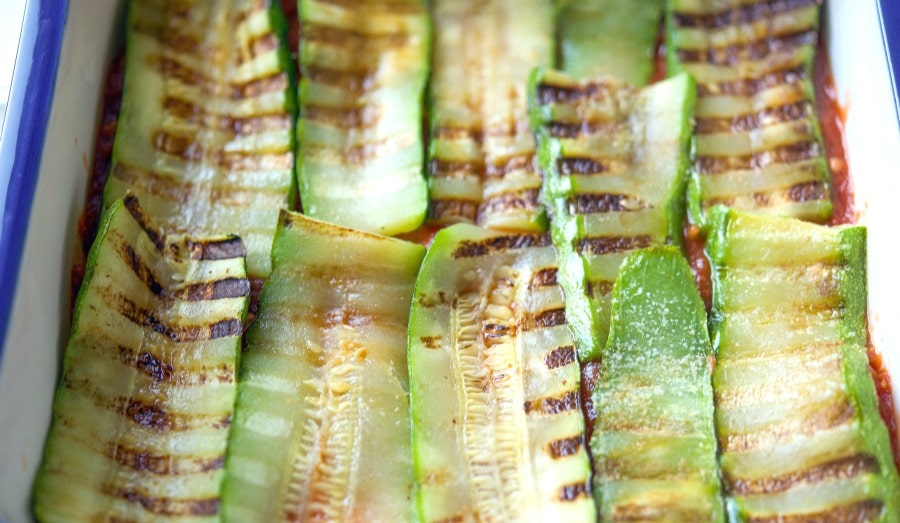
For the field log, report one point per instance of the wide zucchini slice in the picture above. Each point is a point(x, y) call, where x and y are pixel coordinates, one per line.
point(615, 38)
point(206, 130)
point(364, 66)
point(498, 433)
point(796, 410)
point(321, 426)
point(654, 442)
point(758, 142)
point(142, 410)
point(614, 160)
point(481, 154)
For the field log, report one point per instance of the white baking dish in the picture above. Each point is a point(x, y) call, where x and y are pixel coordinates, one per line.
point(48, 139)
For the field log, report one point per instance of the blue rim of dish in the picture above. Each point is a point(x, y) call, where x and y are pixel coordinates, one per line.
point(889, 13)
point(24, 129)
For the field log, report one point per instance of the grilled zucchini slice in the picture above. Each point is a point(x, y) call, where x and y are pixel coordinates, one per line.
point(141, 413)
point(498, 433)
point(758, 142)
point(481, 154)
point(612, 38)
point(796, 410)
point(321, 425)
point(364, 66)
point(654, 442)
point(206, 129)
point(614, 161)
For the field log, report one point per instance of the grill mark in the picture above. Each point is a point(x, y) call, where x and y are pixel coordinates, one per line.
point(566, 446)
point(217, 290)
point(573, 492)
point(139, 268)
point(214, 250)
point(742, 14)
point(137, 212)
point(474, 249)
point(737, 53)
point(567, 94)
point(808, 191)
point(240, 126)
point(576, 166)
point(342, 117)
point(859, 512)
point(363, 153)
point(753, 86)
point(178, 333)
point(149, 416)
point(147, 363)
point(355, 81)
point(169, 38)
point(503, 167)
point(840, 469)
point(259, 86)
point(451, 133)
point(584, 128)
point(560, 357)
point(834, 415)
point(167, 506)
point(510, 202)
point(544, 319)
point(791, 153)
point(188, 149)
point(751, 121)
point(599, 287)
point(544, 278)
point(451, 209)
point(605, 202)
point(258, 46)
point(431, 342)
point(553, 405)
point(162, 464)
point(185, 74)
point(163, 371)
point(600, 245)
point(351, 39)
point(440, 168)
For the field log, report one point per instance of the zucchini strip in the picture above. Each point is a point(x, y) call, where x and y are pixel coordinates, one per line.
point(498, 433)
point(758, 142)
point(481, 154)
point(654, 442)
point(796, 410)
point(614, 38)
point(614, 160)
point(141, 413)
point(363, 71)
point(206, 129)
point(321, 425)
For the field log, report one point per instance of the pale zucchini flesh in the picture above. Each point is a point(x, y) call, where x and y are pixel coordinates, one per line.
point(363, 66)
point(205, 136)
point(614, 160)
point(498, 431)
point(321, 424)
point(796, 410)
point(142, 410)
point(481, 154)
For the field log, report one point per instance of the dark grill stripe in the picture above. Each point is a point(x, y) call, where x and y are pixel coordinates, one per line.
point(860, 512)
point(600, 245)
point(179, 333)
point(214, 250)
point(451, 209)
point(258, 46)
point(836, 413)
point(808, 191)
point(474, 249)
point(351, 39)
point(138, 267)
point(545, 319)
point(342, 117)
point(137, 212)
point(169, 506)
point(574, 492)
point(560, 357)
point(275, 82)
point(840, 469)
point(354, 81)
point(450, 133)
point(566, 446)
point(217, 290)
point(565, 403)
point(742, 14)
point(735, 54)
point(240, 126)
point(441, 168)
point(589, 203)
point(567, 94)
point(189, 149)
point(576, 166)
point(755, 85)
point(791, 153)
point(544, 278)
point(503, 167)
point(748, 122)
point(170, 68)
point(161, 370)
point(163, 464)
point(510, 202)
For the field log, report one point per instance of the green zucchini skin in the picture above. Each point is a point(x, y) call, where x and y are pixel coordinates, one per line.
point(614, 160)
point(481, 153)
point(321, 425)
point(796, 411)
point(206, 134)
point(364, 66)
point(142, 410)
point(654, 441)
point(758, 142)
point(497, 427)
point(609, 38)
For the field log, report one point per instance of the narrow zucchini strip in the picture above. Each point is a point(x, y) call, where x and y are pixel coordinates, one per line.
point(206, 130)
point(481, 154)
point(796, 410)
point(141, 413)
point(364, 66)
point(498, 433)
point(758, 142)
point(321, 425)
point(654, 443)
point(614, 160)
point(615, 38)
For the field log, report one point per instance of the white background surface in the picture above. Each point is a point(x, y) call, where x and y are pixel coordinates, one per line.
point(11, 12)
